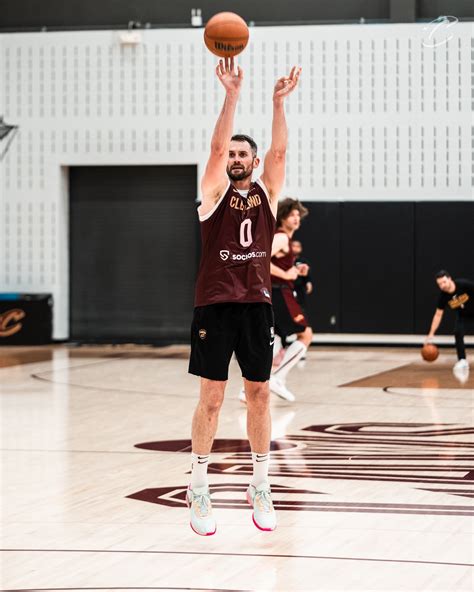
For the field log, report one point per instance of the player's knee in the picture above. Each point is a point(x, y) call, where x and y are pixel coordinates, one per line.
point(211, 404)
point(257, 394)
point(306, 336)
point(212, 395)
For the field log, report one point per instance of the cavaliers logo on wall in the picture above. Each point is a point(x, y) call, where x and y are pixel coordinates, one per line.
point(10, 322)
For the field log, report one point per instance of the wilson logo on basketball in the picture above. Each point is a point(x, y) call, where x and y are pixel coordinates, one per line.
point(221, 46)
point(9, 322)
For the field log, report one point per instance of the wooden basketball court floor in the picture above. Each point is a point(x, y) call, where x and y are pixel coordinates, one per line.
point(372, 473)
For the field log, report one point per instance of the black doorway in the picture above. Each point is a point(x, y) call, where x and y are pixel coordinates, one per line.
point(133, 260)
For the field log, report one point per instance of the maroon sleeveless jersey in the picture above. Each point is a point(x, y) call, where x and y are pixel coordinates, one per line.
point(236, 238)
point(285, 263)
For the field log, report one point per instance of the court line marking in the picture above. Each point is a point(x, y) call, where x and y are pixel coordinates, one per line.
point(221, 554)
point(69, 451)
point(181, 396)
point(119, 356)
point(389, 390)
point(128, 588)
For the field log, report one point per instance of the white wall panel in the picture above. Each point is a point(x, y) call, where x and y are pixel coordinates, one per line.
point(378, 116)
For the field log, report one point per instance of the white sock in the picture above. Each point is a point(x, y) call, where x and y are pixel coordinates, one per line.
point(199, 463)
point(276, 345)
point(261, 463)
point(292, 356)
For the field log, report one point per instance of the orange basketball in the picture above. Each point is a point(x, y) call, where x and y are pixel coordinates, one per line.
point(226, 34)
point(429, 352)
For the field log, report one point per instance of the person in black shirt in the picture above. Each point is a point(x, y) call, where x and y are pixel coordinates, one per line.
point(458, 294)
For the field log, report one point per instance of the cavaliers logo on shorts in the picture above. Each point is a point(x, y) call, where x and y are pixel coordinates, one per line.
point(202, 333)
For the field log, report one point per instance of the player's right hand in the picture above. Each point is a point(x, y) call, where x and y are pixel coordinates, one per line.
point(303, 269)
point(292, 273)
point(230, 79)
point(286, 84)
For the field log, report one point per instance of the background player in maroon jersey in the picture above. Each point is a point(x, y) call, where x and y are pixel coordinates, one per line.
point(233, 310)
point(303, 285)
point(289, 316)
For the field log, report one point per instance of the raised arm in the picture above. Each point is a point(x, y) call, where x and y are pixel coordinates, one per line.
point(274, 165)
point(214, 179)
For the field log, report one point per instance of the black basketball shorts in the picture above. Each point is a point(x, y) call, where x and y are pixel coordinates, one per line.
point(218, 330)
point(289, 316)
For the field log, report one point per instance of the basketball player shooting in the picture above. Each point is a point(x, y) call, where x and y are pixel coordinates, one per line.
point(233, 311)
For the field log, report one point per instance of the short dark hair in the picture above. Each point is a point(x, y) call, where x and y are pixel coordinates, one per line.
point(286, 206)
point(441, 273)
point(244, 138)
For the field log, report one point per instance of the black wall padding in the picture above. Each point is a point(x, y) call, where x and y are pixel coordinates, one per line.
point(320, 236)
point(373, 263)
point(432, 9)
point(377, 267)
point(133, 237)
point(135, 246)
point(444, 240)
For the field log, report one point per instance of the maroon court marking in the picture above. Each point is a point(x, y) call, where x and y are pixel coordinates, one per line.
point(416, 453)
point(174, 497)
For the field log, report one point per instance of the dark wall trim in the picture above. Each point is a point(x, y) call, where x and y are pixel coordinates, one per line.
point(30, 15)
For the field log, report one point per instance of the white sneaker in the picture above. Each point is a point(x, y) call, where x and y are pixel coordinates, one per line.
point(461, 376)
point(242, 396)
point(277, 387)
point(461, 371)
point(461, 364)
point(202, 520)
point(260, 498)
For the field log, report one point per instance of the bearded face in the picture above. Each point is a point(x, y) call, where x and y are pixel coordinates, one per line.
point(238, 171)
point(241, 161)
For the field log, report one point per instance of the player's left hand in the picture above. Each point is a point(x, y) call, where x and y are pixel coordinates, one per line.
point(287, 84)
point(303, 269)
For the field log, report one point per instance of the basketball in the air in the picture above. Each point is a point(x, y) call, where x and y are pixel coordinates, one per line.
point(226, 34)
point(429, 352)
